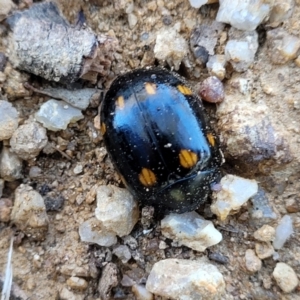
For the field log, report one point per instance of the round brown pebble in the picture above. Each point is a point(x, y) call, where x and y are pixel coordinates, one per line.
point(212, 90)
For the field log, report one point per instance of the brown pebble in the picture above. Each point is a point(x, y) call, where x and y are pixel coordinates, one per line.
point(212, 90)
point(292, 205)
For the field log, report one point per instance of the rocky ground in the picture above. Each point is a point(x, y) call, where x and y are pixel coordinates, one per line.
point(53, 176)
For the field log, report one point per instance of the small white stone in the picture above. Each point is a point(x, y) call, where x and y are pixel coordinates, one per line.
point(92, 231)
point(10, 165)
point(77, 283)
point(240, 54)
point(141, 292)
point(29, 212)
point(243, 14)
point(265, 234)
point(35, 172)
point(56, 115)
point(283, 232)
point(8, 120)
point(78, 169)
point(170, 46)
point(162, 245)
point(116, 209)
point(191, 230)
point(235, 191)
point(132, 20)
point(252, 262)
point(216, 66)
point(285, 277)
point(185, 279)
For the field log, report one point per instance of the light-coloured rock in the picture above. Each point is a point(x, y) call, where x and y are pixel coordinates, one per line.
point(235, 191)
point(29, 212)
point(170, 46)
point(191, 230)
point(216, 66)
point(285, 277)
point(116, 209)
point(35, 172)
point(78, 169)
point(10, 165)
point(141, 293)
point(265, 234)
point(93, 231)
point(77, 283)
point(282, 47)
point(283, 232)
point(28, 140)
point(132, 20)
point(8, 120)
point(241, 48)
point(56, 115)
point(123, 253)
point(264, 250)
point(244, 14)
point(185, 279)
point(252, 262)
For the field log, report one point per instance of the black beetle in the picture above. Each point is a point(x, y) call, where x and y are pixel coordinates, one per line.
point(156, 132)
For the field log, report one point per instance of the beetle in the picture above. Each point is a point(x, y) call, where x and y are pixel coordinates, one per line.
point(157, 134)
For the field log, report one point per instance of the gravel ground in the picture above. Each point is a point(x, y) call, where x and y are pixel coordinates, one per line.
point(75, 160)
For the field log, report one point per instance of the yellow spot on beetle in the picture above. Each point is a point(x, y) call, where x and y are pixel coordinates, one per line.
point(184, 90)
point(147, 177)
point(120, 102)
point(150, 88)
point(187, 158)
point(103, 128)
point(211, 139)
